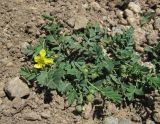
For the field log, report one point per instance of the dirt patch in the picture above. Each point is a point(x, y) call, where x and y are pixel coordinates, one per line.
point(20, 24)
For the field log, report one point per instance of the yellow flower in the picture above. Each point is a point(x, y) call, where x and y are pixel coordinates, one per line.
point(41, 60)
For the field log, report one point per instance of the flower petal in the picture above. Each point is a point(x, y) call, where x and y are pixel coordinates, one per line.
point(38, 66)
point(48, 61)
point(42, 53)
point(37, 58)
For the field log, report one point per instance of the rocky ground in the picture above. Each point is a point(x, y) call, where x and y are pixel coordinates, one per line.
point(20, 24)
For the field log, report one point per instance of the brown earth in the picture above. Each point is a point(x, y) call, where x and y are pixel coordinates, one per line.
point(20, 22)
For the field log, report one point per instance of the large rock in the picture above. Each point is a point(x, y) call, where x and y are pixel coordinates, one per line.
point(16, 88)
point(80, 22)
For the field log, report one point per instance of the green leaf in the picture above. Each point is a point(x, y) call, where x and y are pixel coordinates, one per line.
point(48, 17)
point(146, 17)
point(71, 96)
point(111, 94)
point(50, 38)
point(151, 51)
point(42, 78)
point(27, 73)
point(55, 79)
point(29, 50)
point(114, 78)
point(63, 87)
point(154, 81)
point(132, 90)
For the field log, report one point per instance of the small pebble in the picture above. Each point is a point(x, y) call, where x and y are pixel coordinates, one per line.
point(95, 6)
point(128, 13)
point(158, 11)
point(156, 117)
point(134, 7)
point(157, 24)
point(136, 118)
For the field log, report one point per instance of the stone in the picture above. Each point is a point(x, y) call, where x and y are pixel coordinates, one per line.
point(131, 18)
point(158, 11)
point(10, 64)
point(112, 22)
point(18, 103)
point(128, 13)
point(131, 21)
point(139, 36)
point(9, 112)
point(134, 7)
point(111, 108)
point(9, 45)
point(156, 117)
point(136, 118)
point(71, 22)
point(4, 61)
point(1, 101)
point(46, 114)
point(149, 65)
point(85, 6)
point(40, 22)
point(2, 107)
point(124, 121)
point(60, 102)
point(152, 37)
point(80, 22)
point(157, 24)
point(95, 6)
point(123, 21)
point(119, 14)
point(150, 122)
point(117, 30)
point(110, 120)
point(89, 121)
point(139, 48)
point(16, 88)
point(2, 94)
point(24, 45)
point(32, 116)
point(87, 111)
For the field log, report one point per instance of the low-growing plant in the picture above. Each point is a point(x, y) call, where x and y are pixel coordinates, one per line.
point(146, 17)
point(86, 63)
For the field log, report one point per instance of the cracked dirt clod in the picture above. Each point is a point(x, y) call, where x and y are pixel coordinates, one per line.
point(16, 88)
point(46, 114)
point(87, 111)
point(134, 7)
point(156, 117)
point(80, 22)
point(32, 116)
